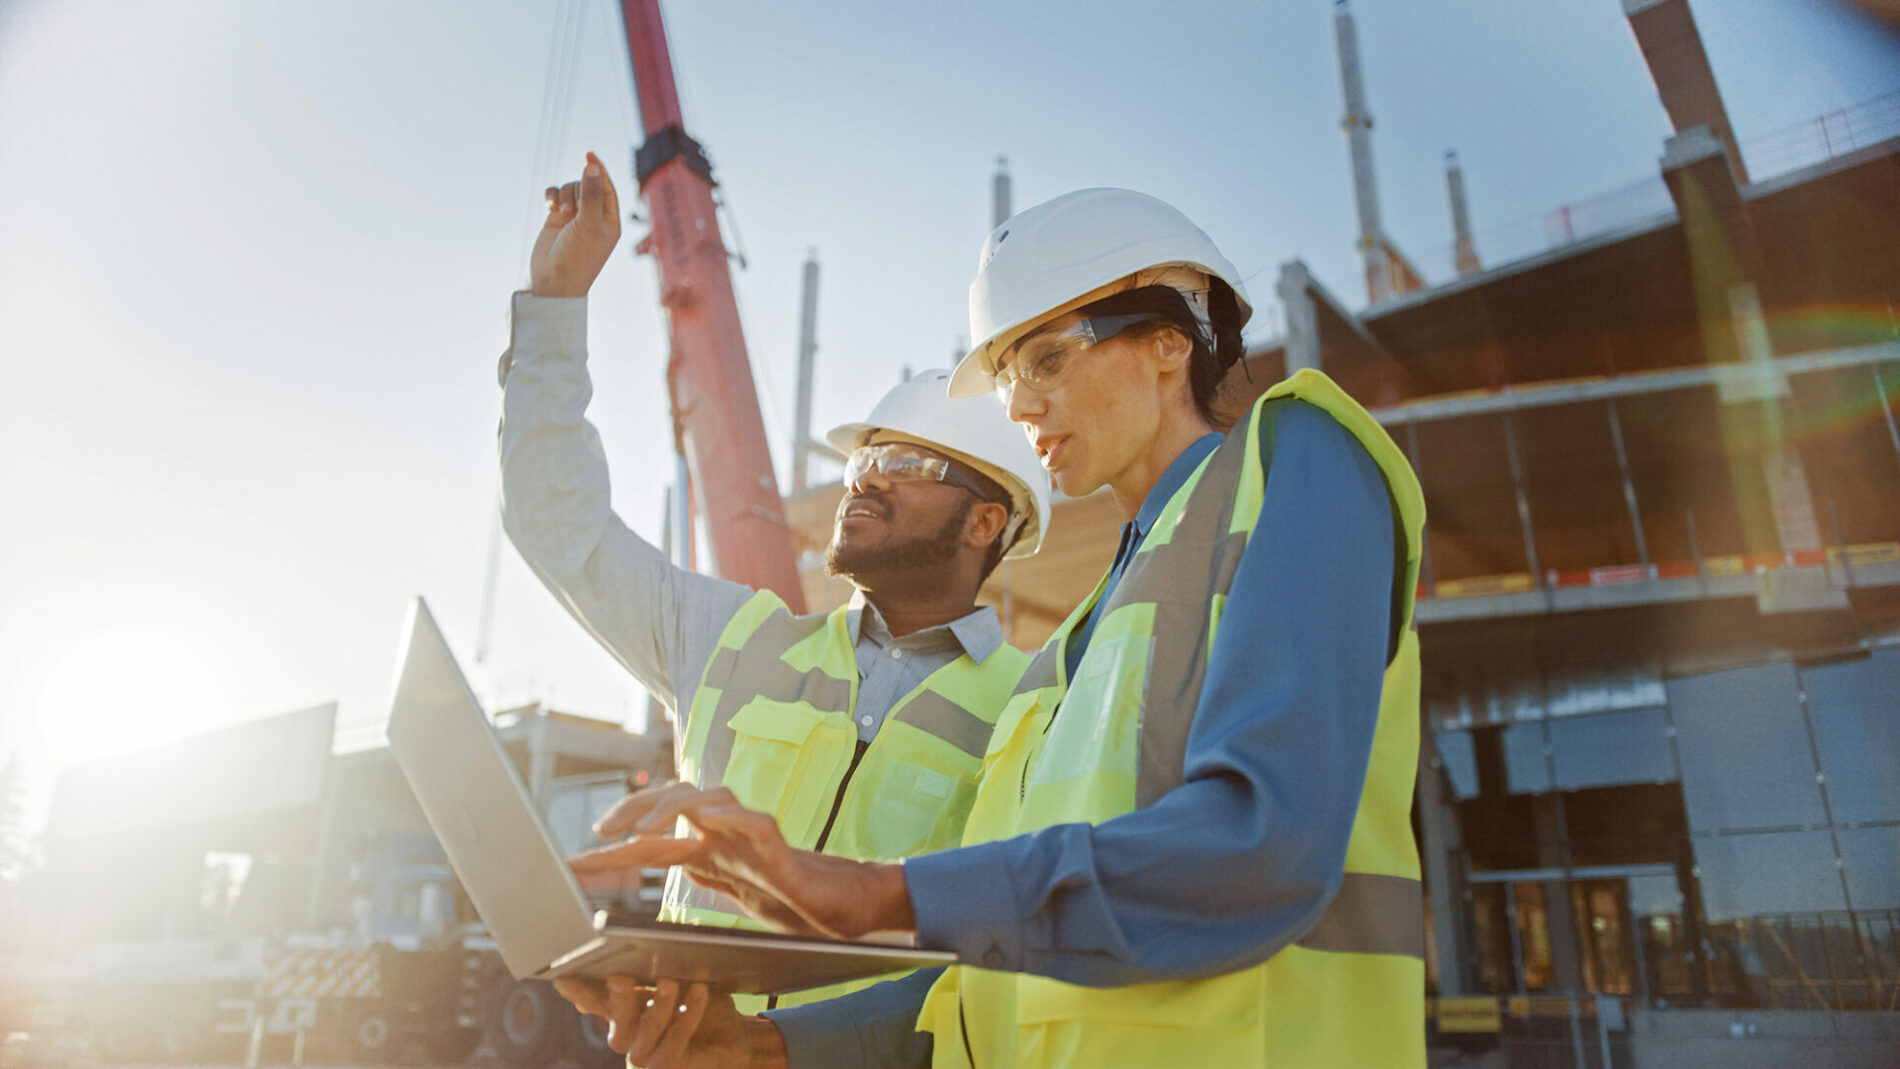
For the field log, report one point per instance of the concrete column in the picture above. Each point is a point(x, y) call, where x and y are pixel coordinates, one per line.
point(1000, 193)
point(1672, 47)
point(1444, 876)
point(1466, 253)
point(1566, 958)
point(1727, 268)
point(807, 351)
point(1302, 316)
point(1357, 124)
point(1790, 501)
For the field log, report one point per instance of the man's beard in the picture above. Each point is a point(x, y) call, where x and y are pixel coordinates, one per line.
point(922, 552)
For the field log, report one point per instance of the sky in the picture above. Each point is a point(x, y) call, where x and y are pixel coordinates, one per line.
point(255, 260)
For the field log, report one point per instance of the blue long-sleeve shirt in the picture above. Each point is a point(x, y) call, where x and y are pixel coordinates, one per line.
point(1240, 859)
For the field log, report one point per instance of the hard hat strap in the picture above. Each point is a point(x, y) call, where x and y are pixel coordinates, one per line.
point(1193, 286)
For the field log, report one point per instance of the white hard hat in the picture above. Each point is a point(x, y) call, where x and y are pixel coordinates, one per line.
point(1046, 258)
point(975, 431)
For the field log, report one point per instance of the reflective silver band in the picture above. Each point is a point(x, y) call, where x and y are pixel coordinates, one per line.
point(937, 715)
point(1372, 915)
point(756, 670)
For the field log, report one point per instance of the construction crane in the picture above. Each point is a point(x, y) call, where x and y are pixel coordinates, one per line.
point(1388, 272)
point(716, 422)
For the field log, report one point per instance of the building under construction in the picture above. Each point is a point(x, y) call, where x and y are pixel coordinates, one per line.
point(1660, 607)
point(1659, 798)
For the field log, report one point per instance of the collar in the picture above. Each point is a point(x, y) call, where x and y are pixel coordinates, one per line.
point(1171, 481)
point(978, 631)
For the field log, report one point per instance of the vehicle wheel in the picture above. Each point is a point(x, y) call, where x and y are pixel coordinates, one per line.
point(526, 1026)
point(587, 1043)
point(372, 1034)
point(452, 1045)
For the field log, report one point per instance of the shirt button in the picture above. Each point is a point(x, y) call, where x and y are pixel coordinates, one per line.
point(865, 720)
point(896, 654)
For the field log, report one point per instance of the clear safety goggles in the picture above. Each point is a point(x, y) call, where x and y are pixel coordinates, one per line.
point(899, 462)
point(1038, 360)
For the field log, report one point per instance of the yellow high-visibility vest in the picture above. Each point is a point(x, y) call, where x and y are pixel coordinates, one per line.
point(772, 720)
point(1351, 991)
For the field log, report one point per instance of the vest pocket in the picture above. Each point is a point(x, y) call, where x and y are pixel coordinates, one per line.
point(786, 760)
point(920, 788)
point(1221, 1002)
point(1215, 1022)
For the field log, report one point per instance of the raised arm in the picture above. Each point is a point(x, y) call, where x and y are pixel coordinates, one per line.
point(659, 621)
point(1217, 874)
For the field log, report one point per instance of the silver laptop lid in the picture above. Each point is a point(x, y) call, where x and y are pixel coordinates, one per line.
point(479, 808)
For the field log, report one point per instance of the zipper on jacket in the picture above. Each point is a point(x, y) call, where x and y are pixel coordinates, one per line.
point(837, 803)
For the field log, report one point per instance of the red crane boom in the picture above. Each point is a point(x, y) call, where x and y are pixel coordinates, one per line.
point(716, 418)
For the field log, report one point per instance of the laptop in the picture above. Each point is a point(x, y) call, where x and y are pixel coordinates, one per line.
point(520, 884)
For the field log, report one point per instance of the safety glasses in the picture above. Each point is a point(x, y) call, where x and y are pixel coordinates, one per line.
point(1038, 360)
point(907, 463)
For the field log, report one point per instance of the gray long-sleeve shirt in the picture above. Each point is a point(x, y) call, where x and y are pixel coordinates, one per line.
point(660, 621)
point(1240, 859)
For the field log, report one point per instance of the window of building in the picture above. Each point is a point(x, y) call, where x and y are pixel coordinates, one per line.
point(1610, 749)
point(1870, 858)
point(1856, 711)
point(1746, 759)
point(1766, 873)
point(1459, 760)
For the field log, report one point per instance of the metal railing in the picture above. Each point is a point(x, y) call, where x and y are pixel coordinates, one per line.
point(1554, 1031)
point(1824, 137)
point(1835, 961)
point(1646, 201)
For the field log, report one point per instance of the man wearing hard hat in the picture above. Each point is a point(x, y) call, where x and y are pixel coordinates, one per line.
point(1192, 845)
point(861, 730)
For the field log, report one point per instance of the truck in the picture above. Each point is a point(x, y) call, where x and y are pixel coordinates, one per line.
point(259, 884)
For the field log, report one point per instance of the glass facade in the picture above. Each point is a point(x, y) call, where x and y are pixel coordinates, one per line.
point(1747, 763)
point(1734, 843)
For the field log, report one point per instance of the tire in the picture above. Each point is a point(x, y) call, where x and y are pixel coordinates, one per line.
point(526, 1027)
point(587, 1043)
point(373, 1035)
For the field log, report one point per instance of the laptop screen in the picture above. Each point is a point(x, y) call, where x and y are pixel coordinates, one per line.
point(479, 808)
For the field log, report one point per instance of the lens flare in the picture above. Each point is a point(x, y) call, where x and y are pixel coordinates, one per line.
point(127, 690)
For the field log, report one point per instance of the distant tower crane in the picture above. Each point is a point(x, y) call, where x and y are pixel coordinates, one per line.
point(1465, 252)
point(999, 193)
point(802, 444)
point(1388, 272)
point(716, 421)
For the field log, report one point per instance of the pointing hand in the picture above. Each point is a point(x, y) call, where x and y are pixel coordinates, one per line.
point(581, 230)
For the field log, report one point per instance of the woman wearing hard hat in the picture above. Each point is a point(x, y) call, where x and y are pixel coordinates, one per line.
point(1192, 843)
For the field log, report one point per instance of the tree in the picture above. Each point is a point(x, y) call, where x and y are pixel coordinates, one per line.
point(16, 847)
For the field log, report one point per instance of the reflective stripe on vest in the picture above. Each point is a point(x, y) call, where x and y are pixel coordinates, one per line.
point(773, 721)
point(1350, 991)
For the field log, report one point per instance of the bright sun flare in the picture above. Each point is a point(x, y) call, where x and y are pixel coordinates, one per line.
point(125, 691)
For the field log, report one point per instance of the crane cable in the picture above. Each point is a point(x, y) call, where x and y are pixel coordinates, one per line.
point(550, 144)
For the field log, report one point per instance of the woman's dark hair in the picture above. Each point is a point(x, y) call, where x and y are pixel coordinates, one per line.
point(1211, 357)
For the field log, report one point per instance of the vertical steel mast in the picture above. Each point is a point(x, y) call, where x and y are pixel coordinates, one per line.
point(716, 416)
